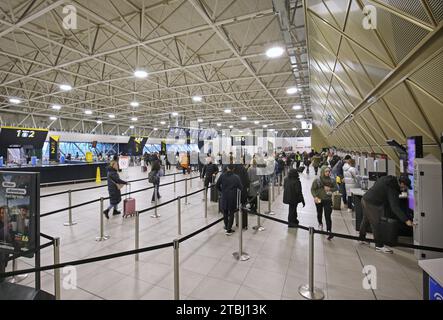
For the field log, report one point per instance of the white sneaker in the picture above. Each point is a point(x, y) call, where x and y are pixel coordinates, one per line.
point(349, 210)
point(384, 249)
point(366, 243)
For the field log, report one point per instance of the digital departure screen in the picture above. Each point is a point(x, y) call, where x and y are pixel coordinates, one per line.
point(14, 136)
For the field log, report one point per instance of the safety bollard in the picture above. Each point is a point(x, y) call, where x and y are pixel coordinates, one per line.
point(269, 199)
point(309, 291)
point(155, 215)
point(57, 288)
point(179, 216)
point(206, 202)
point(102, 236)
point(137, 233)
point(258, 227)
point(176, 270)
point(174, 181)
point(17, 278)
point(186, 190)
point(70, 222)
point(240, 255)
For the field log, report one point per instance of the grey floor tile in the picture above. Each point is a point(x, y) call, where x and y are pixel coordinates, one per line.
point(215, 289)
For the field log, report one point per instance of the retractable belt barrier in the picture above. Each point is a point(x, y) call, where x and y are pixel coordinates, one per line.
point(97, 200)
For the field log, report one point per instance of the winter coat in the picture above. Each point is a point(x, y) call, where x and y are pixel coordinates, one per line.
point(254, 182)
point(242, 173)
point(114, 192)
point(385, 193)
point(292, 191)
point(228, 184)
point(317, 188)
point(350, 177)
point(316, 161)
point(209, 171)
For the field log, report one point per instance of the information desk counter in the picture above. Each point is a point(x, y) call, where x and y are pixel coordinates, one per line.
point(432, 278)
point(63, 173)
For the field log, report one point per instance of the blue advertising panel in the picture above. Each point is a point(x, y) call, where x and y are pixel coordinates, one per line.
point(435, 290)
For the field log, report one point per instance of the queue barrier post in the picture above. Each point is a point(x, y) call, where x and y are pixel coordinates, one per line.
point(179, 218)
point(137, 233)
point(57, 282)
point(176, 269)
point(258, 227)
point(270, 212)
point(18, 278)
point(102, 236)
point(240, 255)
point(70, 222)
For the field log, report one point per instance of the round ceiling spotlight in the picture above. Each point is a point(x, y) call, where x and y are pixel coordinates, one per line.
point(99, 122)
point(244, 118)
point(292, 90)
point(89, 112)
point(131, 127)
point(200, 120)
point(162, 122)
point(274, 52)
point(134, 119)
point(174, 114)
point(56, 106)
point(296, 107)
point(228, 110)
point(141, 74)
point(155, 129)
point(256, 122)
point(65, 87)
point(53, 118)
point(299, 116)
point(134, 104)
point(15, 100)
point(218, 124)
point(197, 99)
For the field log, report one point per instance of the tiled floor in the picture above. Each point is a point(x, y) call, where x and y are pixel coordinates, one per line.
point(278, 264)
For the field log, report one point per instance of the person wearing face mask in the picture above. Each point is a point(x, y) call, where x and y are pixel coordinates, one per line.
point(322, 189)
point(385, 192)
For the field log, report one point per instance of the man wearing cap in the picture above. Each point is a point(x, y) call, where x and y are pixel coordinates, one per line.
point(385, 192)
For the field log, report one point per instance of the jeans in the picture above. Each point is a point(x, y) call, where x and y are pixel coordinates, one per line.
point(115, 206)
point(228, 218)
point(156, 189)
point(371, 216)
point(350, 204)
point(343, 193)
point(292, 216)
point(326, 206)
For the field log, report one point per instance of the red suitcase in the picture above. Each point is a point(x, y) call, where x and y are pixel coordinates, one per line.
point(129, 205)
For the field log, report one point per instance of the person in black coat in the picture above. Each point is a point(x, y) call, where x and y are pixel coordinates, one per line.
point(210, 170)
point(242, 173)
point(114, 182)
point(293, 195)
point(228, 184)
point(155, 170)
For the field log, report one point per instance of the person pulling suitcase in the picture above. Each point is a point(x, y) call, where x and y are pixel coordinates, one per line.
point(114, 186)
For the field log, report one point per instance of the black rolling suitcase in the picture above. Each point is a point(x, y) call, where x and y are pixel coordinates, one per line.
point(388, 231)
point(214, 194)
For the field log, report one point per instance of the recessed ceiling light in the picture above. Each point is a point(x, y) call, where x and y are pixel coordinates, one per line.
point(294, 129)
point(131, 127)
point(271, 130)
point(140, 74)
point(99, 122)
point(15, 100)
point(174, 114)
point(200, 120)
point(112, 116)
point(306, 131)
point(88, 112)
point(244, 118)
point(53, 118)
point(197, 98)
point(296, 107)
point(227, 110)
point(65, 87)
point(230, 127)
point(265, 126)
point(162, 122)
point(56, 107)
point(256, 122)
point(274, 52)
point(291, 90)
point(134, 104)
point(218, 124)
point(299, 116)
point(155, 129)
point(276, 132)
point(134, 119)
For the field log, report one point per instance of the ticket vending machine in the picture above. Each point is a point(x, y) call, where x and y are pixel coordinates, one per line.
point(428, 206)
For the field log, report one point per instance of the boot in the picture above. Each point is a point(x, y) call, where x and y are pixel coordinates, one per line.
point(116, 212)
point(106, 213)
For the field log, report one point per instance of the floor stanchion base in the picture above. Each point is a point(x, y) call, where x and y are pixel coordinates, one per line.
point(258, 228)
point(67, 224)
point(315, 294)
point(242, 257)
point(102, 238)
point(19, 278)
point(155, 215)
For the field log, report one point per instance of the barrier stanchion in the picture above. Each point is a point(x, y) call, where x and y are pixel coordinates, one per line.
point(309, 291)
point(273, 189)
point(258, 227)
point(179, 216)
point(174, 182)
point(269, 199)
point(70, 222)
point(176, 270)
point(240, 255)
point(155, 215)
point(17, 278)
point(186, 190)
point(137, 233)
point(190, 181)
point(279, 181)
point(57, 288)
point(206, 201)
point(102, 236)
